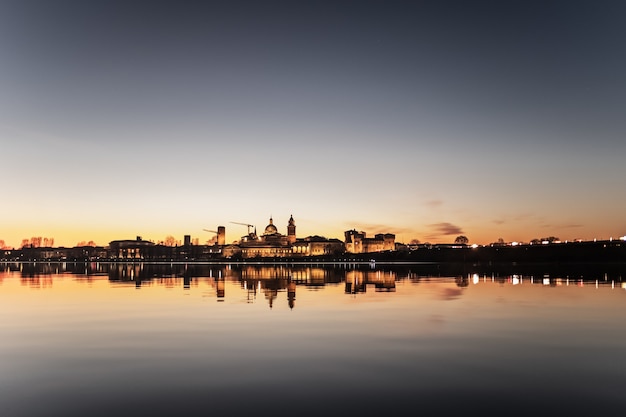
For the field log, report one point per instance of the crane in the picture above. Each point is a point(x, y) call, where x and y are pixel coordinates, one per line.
point(214, 239)
point(244, 224)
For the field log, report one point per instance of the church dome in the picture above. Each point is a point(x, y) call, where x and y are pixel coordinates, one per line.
point(270, 229)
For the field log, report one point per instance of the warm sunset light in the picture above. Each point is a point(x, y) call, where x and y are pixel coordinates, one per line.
point(124, 119)
point(312, 208)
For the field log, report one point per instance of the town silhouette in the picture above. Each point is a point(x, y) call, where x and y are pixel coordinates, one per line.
point(273, 246)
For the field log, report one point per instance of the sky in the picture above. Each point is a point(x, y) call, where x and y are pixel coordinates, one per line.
point(427, 119)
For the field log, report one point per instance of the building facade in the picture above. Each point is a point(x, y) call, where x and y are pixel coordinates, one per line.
point(358, 242)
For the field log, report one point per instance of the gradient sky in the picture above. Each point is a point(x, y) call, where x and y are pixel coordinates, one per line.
point(425, 119)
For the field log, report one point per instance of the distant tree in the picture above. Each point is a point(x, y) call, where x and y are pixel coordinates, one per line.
point(461, 240)
point(414, 242)
point(170, 241)
point(2, 244)
point(535, 242)
point(550, 239)
point(84, 243)
point(36, 241)
point(25, 243)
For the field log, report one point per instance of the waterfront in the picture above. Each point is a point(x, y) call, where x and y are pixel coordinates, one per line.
point(164, 339)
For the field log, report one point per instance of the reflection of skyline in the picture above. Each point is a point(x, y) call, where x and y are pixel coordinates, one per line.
point(269, 282)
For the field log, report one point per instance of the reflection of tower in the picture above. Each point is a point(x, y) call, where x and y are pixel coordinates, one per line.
point(291, 293)
point(355, 282)
point(220, 284)
point(221, 235)
point(291, 230)
point(221, 288)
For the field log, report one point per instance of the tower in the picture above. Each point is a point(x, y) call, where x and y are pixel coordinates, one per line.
point(291, 230)
point(221, 235)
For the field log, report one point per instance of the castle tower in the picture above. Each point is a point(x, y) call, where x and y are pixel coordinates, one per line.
point(291, 231)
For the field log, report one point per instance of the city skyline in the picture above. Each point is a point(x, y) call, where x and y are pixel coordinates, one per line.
point(429, 121)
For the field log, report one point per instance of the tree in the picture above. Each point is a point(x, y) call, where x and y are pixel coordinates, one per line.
point(83, 243)
point(463, 240)
point(550, 239)
point(170, 241)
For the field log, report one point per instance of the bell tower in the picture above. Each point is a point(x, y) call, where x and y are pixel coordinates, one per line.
point(291, 230)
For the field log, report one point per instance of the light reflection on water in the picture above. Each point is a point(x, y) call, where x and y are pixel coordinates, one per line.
point(169, 339)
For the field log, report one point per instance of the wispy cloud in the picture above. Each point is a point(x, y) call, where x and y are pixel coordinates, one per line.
point(373, 228)
point(446, 228)
point(433, 203)
point(439, 230)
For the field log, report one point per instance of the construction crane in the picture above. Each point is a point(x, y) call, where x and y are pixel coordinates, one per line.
point(245, 224)
point(214, 238)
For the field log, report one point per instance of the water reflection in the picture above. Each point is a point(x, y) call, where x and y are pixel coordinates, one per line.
point(167, 339)
point(270, 280)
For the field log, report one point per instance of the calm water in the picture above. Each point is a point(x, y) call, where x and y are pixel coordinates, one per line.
point(113, 339)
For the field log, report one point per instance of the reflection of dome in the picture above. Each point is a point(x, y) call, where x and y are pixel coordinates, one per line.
point(271, 229)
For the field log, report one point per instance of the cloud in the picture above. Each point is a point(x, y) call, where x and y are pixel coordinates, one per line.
point(446, 228)
point(433, 203)
point(372, 228)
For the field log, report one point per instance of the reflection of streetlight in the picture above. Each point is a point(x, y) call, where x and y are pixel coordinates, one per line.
point(475, 279)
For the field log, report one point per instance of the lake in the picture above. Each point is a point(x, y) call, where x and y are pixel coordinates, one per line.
point(100, 339)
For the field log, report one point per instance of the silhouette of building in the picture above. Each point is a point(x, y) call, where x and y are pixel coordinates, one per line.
point(130, 249)
point(317, 246)
point(273, 244)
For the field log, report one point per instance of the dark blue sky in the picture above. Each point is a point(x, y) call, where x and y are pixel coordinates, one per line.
point(397, 113)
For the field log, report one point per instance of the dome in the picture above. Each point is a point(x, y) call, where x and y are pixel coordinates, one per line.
point(270, 229)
